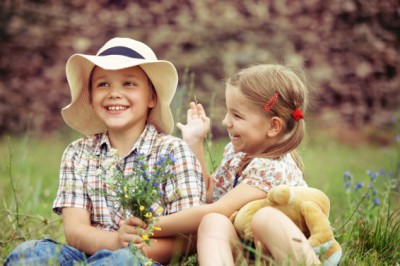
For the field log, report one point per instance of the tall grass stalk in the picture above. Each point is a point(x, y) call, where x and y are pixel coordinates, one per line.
point(12, 185)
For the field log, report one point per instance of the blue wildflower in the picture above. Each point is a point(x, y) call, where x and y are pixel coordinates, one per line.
point(155, 184)
point(358, 185)
point(171, 157)
point(160, 160)
point(347, 176)
point(348, 179)
point(376, 201)
point(161, 192)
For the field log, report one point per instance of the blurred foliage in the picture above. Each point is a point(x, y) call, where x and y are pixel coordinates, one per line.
point(349, 48)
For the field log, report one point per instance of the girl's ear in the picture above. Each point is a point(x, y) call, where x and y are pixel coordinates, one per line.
point(275, 126)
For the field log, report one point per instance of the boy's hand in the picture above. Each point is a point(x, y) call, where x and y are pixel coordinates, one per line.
point(129, 233)
point(197, 124)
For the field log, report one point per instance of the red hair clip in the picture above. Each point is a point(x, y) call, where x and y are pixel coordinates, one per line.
point(268, 106)
point(297, 115)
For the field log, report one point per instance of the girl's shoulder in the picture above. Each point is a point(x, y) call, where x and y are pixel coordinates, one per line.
point(284, 165)
point(229, 152)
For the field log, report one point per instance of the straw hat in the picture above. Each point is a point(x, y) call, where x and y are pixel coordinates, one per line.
point(118, 53)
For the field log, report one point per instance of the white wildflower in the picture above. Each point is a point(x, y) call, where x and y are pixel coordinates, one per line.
point(69, 185)
point(81, 169)
point(99, 172)
point(108, 163)
point(113, 152)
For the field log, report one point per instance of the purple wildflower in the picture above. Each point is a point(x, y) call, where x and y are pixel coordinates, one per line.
point(358, 185)
point(376, 201)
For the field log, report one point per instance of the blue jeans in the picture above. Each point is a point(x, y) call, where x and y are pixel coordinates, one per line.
point(49, 252)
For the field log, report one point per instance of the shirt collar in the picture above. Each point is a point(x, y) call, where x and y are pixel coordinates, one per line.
point(102, 143)
point(143, 144)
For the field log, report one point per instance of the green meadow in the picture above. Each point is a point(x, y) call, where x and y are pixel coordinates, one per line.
point(358, 178)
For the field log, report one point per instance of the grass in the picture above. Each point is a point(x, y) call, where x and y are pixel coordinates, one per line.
point(32, 165)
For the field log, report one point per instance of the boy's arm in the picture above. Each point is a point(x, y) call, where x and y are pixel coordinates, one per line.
point(81, 235)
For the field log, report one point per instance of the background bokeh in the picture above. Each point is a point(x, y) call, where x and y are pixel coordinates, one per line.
point(348, 48)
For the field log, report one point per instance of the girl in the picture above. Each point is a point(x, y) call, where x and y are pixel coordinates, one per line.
point(265, 106)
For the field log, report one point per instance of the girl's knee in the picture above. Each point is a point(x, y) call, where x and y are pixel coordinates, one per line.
point(213, 221)
point(265, 216)
point(265, 221)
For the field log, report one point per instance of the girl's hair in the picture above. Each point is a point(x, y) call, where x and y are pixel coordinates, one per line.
point(259, 84)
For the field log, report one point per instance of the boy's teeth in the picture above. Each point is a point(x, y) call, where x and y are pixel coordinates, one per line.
point(116, 108)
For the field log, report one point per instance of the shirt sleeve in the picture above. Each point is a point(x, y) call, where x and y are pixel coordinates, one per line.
point(187, 189)
point(72, 191)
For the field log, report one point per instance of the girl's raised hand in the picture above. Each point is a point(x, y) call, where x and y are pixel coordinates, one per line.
point(197, 124)
point(128, 232)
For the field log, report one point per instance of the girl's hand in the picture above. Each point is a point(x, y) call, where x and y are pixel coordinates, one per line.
point(197, 125)
point(129, 232)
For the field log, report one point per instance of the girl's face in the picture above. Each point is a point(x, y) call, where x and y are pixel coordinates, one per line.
point(122, 98)
point(246, 126)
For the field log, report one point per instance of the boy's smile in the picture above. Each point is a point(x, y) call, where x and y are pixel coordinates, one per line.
point(116, 108)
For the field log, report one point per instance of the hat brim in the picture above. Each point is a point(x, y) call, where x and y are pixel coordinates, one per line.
point(80, 115)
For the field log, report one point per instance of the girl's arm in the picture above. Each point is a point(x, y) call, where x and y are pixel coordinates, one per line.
point(187, 221)
point(165, 249)
point(194, 133)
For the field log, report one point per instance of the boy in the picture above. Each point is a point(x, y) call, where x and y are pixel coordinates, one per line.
point(120, 101)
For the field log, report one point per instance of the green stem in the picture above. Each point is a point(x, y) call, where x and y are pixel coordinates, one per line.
point(12, 182)
point(355, 209)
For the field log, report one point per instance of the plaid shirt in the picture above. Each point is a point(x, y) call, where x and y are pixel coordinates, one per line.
point(78, 188)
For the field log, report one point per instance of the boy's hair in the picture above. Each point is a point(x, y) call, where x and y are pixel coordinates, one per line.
point(259, 84)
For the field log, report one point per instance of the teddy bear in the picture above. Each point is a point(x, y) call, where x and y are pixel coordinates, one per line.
point(307, 207)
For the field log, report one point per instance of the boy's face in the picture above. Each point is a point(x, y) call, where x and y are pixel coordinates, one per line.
point(122, 98)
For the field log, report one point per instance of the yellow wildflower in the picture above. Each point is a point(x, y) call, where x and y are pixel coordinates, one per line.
point(159, 210)
point(148, 215)
point(141, 208)
point(157, 228)
point(145, 237)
